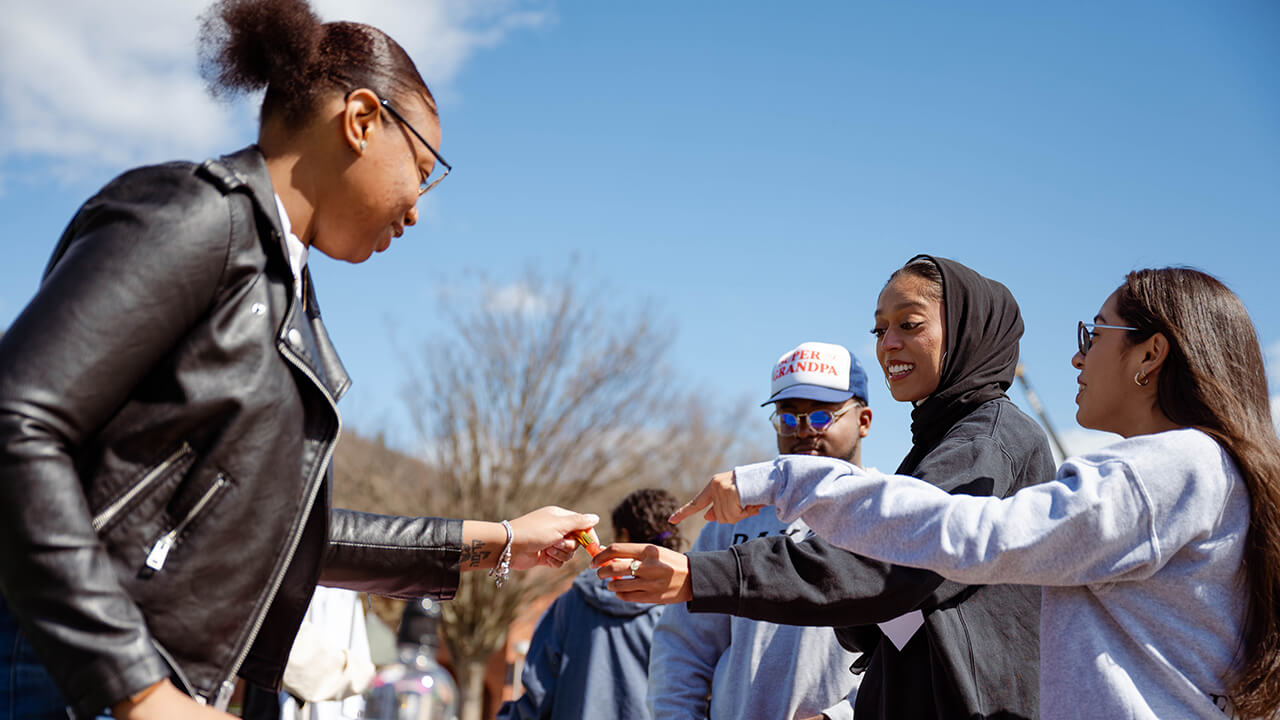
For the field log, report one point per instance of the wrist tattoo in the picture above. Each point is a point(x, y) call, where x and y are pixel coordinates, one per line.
point(472, 556)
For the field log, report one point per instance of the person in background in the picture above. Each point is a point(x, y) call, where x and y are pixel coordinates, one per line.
point(168, 398)
point(589, 655)
point(1158, 557)
point(947, 342)
point(709, 665)
point(329, 665)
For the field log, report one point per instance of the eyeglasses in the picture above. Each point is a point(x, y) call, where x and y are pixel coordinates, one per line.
point(426, 183)
point(1084, 334)
point(788, 424)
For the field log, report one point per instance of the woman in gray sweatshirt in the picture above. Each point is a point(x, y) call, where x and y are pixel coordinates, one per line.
point(1159, 556)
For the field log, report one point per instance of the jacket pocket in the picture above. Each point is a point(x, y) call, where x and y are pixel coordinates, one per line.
point(177, 463)
point(165, 543)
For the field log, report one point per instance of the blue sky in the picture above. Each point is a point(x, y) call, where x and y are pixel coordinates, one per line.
point(754, 169)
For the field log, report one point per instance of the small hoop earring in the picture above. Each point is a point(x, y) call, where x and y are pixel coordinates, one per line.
point(1140, 379)
point(887, 385)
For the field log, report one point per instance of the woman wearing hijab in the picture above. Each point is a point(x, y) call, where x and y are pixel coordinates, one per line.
point(1159, 555)
point(947, 341)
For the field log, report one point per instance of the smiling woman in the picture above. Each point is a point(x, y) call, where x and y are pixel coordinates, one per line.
point(910, 330)
point(172, 390)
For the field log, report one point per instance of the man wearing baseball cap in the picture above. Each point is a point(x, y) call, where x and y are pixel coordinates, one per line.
point(721, 667)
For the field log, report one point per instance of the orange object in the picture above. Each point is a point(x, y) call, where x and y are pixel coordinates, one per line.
point(588, 540)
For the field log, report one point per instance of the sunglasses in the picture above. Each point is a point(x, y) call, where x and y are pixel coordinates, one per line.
point(788, 424)
point(1084, 334)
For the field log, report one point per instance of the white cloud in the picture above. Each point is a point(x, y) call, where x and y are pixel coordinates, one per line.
point(439, 34)
point(88, 83)
point(515, 299)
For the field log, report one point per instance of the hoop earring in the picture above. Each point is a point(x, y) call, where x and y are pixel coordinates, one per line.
point(1140, 379)
point(887, 386)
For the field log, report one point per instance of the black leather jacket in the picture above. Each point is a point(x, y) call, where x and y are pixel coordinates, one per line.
point(167, 420)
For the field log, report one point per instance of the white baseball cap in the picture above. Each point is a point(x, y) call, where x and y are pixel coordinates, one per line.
point(818, 371)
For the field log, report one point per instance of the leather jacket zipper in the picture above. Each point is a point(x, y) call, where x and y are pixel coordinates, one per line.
point(109, 512)
point(223, 696)
point(160, 551)
point(175, 671)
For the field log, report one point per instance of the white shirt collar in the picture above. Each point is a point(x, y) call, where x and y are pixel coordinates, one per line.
point(297, 250)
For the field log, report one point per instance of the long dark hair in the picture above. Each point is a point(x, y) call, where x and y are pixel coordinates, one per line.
point(246, 45)
point(1213, 379)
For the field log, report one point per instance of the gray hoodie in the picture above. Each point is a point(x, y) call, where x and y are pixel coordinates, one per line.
point(589, 657)
point(1138, 547)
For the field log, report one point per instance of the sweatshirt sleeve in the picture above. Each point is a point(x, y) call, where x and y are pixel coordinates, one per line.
point(686, 649)
point(842, 710)
point(1092, 524)
point(811, 583)
point(818, 584)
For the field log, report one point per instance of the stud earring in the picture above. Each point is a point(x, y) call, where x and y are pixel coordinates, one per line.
point(363, 144)
point(1140, 379)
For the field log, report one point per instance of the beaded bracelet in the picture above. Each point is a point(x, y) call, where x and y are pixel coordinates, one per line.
point(500, 571)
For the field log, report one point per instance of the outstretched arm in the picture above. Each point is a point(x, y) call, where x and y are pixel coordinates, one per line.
point(1092, 524)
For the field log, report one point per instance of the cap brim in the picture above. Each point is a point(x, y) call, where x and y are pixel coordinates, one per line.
point(817, 393)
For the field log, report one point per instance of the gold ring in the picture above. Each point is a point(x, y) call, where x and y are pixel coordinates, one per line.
point(635, 565)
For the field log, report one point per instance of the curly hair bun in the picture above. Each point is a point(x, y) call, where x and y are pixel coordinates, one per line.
point(246, 45)
point(281, 45)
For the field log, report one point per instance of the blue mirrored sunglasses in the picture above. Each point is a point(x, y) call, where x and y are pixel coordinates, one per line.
point(819, 420)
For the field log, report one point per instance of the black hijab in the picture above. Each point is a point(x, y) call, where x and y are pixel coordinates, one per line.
point(983, 329)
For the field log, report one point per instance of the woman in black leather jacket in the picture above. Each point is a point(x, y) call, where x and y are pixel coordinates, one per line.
point(168, 398)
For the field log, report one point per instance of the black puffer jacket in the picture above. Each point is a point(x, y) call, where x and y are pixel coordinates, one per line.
point(167, 421)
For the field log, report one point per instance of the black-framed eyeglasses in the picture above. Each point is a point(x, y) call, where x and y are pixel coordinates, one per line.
point(788, 424)
point(1084, 334)
point(426, 183)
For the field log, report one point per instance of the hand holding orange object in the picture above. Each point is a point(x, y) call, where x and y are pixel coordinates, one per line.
point(665, 573)
point(588, 540)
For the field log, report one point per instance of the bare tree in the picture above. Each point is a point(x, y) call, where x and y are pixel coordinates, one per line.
point(546, 394)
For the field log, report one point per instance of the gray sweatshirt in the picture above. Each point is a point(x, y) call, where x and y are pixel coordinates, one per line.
point(1138, 547)
point(708, 665)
